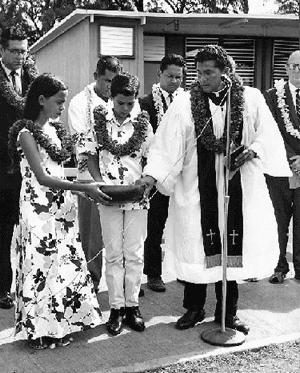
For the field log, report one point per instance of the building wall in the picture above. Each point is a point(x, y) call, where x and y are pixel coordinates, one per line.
point(133, 64)
point(66, 56)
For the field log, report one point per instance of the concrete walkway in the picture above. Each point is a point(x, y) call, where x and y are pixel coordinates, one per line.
point(272, 311)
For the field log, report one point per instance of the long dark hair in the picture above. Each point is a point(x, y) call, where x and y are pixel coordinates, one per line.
point(46, 85)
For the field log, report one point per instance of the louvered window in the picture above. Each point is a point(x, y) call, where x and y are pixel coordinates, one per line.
point(281, 51)
point(193, 44)
point(243, 53)
point(241, 50)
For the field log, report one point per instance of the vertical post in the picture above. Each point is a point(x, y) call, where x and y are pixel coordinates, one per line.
point(226, 204)
point(299, 22)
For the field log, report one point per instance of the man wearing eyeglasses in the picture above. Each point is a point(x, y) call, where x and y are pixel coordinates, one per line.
point(284, 103)
point(17, 71)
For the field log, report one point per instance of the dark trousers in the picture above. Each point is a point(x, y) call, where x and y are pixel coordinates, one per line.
point(91, 237)
point(286, 204)
point(157, 216)
point(195, 297)
point(9, 210)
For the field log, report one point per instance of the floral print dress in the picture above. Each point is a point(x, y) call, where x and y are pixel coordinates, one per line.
point(54, 291)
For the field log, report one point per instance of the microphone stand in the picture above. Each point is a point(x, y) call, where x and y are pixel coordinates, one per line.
point(223, 336)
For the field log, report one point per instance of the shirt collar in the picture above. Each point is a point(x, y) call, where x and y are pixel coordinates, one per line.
point(292, 88)
point(111, 116)
point(166, 94)
point(8, 71)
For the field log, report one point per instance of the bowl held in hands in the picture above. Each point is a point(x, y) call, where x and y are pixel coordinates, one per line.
point(124, 193)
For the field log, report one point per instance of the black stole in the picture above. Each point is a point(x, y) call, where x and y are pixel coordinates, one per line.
point(209, 210)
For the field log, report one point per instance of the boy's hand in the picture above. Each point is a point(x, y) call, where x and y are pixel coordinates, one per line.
point(148, 182)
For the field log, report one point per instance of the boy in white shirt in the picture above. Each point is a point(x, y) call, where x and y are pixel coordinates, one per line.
point(117, 155)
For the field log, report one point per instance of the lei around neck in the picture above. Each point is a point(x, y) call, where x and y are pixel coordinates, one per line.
point(202, 116)
point(7, 89)
point(59, 155)
point(106, 142)
point(284, 109)
point(158, 101)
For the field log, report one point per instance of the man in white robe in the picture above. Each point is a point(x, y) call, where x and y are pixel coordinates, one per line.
point(187, 162)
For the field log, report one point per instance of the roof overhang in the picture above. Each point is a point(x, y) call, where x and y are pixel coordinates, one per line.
point(165, 22)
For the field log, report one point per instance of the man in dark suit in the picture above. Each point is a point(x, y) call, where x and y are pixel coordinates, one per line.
point(16, 73)
point(285, 192)
point(156, 104)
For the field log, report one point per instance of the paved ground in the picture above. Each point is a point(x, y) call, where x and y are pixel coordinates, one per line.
point(272, 311)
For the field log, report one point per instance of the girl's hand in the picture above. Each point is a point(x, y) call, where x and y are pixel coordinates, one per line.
point(95, 193)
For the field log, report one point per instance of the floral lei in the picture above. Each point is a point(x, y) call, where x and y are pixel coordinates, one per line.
point(56, 154)
point(202, 115)
point(7, 89)
point(158, 103)
point(282, 105)
point(133, 144)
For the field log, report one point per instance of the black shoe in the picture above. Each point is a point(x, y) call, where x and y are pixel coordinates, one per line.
point(233, 322)
point(277, 278)
point(6, 301)
point(190, 319)
point(115, 323)
point(134, 319)
point(156, 284)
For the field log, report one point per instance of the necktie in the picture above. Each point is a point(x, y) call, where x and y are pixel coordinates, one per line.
point(170, 97)
point(13, 78)
point(298, 104)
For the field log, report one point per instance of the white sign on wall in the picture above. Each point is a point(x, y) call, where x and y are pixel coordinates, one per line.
point(116, 41)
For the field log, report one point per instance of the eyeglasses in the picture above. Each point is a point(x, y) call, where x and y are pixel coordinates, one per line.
point(17, 52)
point(294, 66)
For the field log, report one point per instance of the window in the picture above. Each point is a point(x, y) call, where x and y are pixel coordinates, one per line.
point(281, 50)
point(242, 50)
point(154, 48)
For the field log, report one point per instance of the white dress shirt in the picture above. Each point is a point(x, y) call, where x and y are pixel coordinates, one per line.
point(17, 76)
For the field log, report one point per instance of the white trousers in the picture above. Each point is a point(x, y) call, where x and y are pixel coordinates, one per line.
point(123, 232)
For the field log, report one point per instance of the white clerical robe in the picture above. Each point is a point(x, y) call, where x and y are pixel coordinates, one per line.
point(172, 161)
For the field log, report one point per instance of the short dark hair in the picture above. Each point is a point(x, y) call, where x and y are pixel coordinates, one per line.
point(126, 84)
point(108, 63)
point(172, 59)
point(213, 53)
point(12, 33)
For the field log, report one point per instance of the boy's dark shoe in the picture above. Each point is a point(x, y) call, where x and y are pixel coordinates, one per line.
point(114, 324)
point(6, 301)
point(134, 319)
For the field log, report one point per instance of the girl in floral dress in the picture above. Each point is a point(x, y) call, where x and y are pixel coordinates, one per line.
point(54, 291)
point(117, 157)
